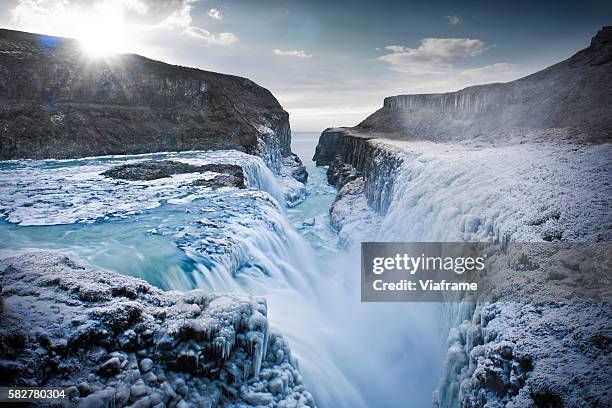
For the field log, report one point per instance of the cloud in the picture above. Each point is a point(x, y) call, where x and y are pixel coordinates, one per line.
point(178, 16)
point(454, 20)
point(434, 55)
point(292, 53)
point(126, 22)
point(215, 13)
point(145, 12)
point(224, 39)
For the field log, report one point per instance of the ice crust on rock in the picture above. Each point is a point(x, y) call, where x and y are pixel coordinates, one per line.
point(460, 192)
point(527, 355)
point(117, 341)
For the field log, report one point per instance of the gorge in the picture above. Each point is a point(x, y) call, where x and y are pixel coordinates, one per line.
point(525, 161)
point(164, 245)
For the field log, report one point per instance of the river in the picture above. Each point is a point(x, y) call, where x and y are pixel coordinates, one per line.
point(351, 354)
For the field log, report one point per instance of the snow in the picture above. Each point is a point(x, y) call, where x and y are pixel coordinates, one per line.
point(96, 326)
point(525, 192)
point(532, 191)
point(74, 191)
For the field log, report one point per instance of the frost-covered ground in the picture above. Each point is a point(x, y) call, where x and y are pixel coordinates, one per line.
point(74, 191)
point(524, 192)
point(113, 340)
point(510, 353)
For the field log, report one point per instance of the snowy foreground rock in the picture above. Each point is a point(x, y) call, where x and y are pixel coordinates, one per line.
point(117, 341)
point(530, 355)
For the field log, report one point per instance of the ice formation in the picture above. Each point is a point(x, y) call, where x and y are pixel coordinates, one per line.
point(52, 192)
point(114, 340)
point(524, 192)
point(462, 192)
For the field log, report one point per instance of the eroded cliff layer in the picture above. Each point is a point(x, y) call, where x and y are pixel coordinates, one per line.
point(55, 102)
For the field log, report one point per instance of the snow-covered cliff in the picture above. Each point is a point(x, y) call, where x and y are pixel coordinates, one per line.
point(113, 340)
point(520, 162)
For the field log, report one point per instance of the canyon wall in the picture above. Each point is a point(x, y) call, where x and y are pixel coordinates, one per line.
point(571, 97)
point(56, 102)
point(525, 161)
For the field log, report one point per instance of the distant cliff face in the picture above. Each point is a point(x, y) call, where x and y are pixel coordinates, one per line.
point(573, 95)
point(57, 103)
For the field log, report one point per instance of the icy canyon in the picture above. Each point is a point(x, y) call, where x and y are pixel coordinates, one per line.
point(524, 161)
point(167, 241)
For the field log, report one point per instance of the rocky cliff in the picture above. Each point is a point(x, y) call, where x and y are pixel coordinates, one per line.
point(55, 102)
point(571, 97)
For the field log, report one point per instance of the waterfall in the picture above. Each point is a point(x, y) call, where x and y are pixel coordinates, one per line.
point(260, 177)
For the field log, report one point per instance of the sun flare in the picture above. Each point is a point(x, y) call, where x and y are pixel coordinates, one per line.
point(101, 32)
point(100, 42)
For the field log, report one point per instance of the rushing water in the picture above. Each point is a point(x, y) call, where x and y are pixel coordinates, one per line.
point(351, 354)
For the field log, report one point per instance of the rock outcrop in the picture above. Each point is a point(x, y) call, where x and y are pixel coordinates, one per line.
point(113, 340)
point(55, 102)
point(224, 175)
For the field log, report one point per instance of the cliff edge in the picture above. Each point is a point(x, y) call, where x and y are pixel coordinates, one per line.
point(566, 101)
point(55, 102)
point(573, 94)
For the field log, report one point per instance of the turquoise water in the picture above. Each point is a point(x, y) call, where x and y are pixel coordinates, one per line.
point(311, 217)
point(132, 246)
point(351, 354)
point(124, 246)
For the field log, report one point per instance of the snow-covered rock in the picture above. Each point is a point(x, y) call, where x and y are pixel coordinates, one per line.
point(114, 340)
point(514, 354)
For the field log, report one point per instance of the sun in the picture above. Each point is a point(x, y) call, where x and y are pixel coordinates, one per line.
point(97, 43)
point(102, 31)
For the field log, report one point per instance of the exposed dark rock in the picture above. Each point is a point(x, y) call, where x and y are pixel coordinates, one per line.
point(55, 102)
point(184, 349)
point(151, 170)
point(328, 147)
point(230, 175)
point(340, 173)
point(222, 180)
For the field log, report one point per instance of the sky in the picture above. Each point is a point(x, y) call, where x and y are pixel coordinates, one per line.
point(329, 63)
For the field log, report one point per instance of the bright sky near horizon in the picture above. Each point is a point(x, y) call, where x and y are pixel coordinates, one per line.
point(330, 63)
